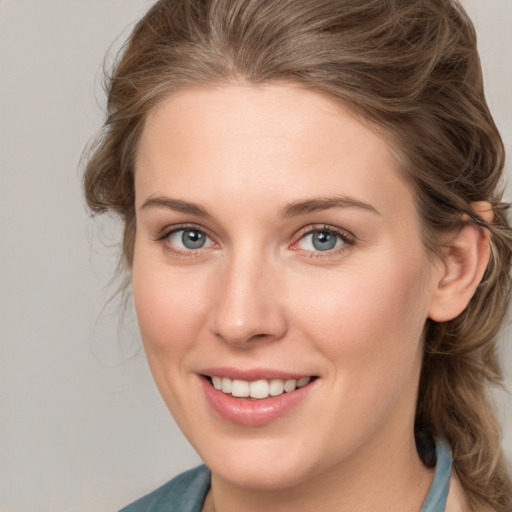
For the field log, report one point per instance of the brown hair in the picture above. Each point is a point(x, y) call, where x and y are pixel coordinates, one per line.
point(409, 67)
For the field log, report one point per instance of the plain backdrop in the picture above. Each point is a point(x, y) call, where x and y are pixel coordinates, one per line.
point(82, 427)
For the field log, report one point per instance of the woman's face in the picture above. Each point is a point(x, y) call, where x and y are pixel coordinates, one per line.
point(276, 243)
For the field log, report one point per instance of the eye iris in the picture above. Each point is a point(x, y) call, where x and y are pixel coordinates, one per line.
point(193, 239)
point(324, 240)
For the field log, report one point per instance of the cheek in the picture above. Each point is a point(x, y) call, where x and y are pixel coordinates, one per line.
point(171, 307)
point(369, 328)
point(374, 313)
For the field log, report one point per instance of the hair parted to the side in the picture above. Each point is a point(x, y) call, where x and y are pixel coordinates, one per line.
point(411, 69)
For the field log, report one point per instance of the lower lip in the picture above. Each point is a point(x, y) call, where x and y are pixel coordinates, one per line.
point(251, 412)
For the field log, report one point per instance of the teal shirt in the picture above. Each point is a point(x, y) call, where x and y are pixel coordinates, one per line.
point(186, 492)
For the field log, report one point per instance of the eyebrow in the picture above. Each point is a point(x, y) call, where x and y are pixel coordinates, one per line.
point(290, 210)
point(325, 203)
point(176, 205)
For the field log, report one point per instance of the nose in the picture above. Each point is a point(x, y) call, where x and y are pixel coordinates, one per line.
point(248, 307)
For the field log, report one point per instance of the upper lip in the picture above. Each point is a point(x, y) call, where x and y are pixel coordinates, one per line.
point(252, 374)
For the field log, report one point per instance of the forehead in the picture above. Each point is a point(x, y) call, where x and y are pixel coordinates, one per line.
point(278, 141)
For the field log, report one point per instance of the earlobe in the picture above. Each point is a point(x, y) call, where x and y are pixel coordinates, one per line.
point(463, 265)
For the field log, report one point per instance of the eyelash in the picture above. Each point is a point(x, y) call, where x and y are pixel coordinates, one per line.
point(346, 237)
point(164, 241)
point(348, 240)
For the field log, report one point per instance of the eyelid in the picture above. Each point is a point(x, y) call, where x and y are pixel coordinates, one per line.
point(164, 235)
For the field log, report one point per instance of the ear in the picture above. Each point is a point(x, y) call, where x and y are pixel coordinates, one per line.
point(462, 267)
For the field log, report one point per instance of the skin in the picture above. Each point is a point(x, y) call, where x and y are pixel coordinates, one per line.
point(257, 294)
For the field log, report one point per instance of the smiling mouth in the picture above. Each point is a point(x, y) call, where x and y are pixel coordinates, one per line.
point(258, 389)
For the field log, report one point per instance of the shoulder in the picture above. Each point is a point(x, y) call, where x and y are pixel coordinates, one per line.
point(184, 493)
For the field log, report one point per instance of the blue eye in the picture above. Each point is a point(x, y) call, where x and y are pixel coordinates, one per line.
point(321, 240)
point(189, 239)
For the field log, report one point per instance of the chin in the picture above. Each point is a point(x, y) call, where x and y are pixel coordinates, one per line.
point(268, 477)
point(264, 464)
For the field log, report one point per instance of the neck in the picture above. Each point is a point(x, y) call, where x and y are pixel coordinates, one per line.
point(384, 477)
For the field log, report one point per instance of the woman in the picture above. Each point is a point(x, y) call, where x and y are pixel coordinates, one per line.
point(318, 252)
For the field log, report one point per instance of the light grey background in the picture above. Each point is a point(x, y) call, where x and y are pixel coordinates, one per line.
point(82, 427)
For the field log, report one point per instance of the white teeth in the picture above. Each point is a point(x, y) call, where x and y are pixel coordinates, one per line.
point(290, 385)
point(240, 388)
point(302, 382)
point(226, 385)
point(258, 389)
point(276, 387)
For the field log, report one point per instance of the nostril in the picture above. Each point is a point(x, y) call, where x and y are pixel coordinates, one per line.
point(258, 336)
